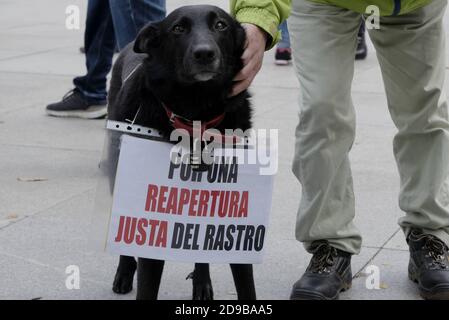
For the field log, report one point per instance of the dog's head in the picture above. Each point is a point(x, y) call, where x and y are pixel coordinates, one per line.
point(193, 45)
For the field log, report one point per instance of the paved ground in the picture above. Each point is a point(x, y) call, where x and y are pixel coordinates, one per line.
point(43, 224)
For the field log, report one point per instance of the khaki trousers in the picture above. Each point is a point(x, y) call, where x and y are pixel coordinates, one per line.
point(411, 53)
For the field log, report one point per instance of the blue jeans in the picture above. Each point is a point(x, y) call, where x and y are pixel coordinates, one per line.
point(111, 24)
point(285, 42)
point(362, 29)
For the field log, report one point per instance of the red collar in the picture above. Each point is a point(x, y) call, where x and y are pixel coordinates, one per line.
point(179, 122)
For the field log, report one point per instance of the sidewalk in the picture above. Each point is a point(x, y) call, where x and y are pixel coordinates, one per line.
point(43, 223)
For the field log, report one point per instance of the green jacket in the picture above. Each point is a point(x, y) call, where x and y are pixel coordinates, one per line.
point(387, 7)
point(268, 14)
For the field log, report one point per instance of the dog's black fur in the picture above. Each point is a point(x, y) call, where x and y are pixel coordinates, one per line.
point(188, 62)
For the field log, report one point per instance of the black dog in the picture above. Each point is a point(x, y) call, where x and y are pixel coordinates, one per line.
point(181, 68)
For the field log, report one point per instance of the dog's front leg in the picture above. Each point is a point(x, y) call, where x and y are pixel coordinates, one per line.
point(244, 281)
point(124, 277)
point(202, 285)
point(149, 273)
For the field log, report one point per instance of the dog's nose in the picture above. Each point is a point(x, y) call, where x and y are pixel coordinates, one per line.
point(204, 54)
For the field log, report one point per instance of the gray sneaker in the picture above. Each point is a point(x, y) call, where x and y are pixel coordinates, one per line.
point(74, 105)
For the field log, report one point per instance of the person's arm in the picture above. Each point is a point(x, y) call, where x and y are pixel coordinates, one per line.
point(261, 19)
point(266, 14)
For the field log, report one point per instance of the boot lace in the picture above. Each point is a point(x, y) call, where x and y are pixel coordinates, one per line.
point(436, 251)
point(69, 95)
point(323, 258)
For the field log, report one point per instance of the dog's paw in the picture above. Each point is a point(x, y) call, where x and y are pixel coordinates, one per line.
point(202, 288)
point(123, 281)
point(203, 291)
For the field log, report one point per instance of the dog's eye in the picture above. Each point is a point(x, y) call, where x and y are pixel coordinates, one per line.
point(179, 29)
point(220, 26)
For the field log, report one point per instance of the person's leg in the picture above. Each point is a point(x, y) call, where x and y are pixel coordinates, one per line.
point(108, 22)
point(324, 39)
point(126, 17)
point(88, 99)
point(99, 43)
point(283, 55)
point(285, 42)
point(324, 43)
point(129, 16)
point(411, 52)
point(362, 49)
point(362, 29)
point(148, 11)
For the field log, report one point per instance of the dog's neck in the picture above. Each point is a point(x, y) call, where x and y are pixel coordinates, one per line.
point(194, 102)
point(207, 103)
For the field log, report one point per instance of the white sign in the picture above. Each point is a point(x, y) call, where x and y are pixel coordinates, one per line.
point(164, 210)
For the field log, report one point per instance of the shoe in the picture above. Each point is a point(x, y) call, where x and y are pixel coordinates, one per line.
point(429, 265)
point(73, 104)
point(283, 56)
point(362, 49)
point(328, 274)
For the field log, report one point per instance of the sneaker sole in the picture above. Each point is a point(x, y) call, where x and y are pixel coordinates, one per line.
point(437, 293)
point(282, 62)
point(361, 56)
point(93, 112)
point(310, 295)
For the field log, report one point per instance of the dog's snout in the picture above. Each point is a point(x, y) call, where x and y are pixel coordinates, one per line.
point(204, 54)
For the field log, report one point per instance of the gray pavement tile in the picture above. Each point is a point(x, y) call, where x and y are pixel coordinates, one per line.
point(36, 12)
point(65, 174)
point(49, 62)
point(277, 101)
point(394, 282)
point(37, 129)
point(276, 76)
point(55, 31)
point(41, 247)
point(369, 81)
point(372, 111)
point(6, 54)
point(20, 91)
point(397, 242)
point(28, 44)
point(28, 279)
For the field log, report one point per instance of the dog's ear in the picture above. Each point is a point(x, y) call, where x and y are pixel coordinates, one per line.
point(240, 39)
point(239, 47)
point(148, 38)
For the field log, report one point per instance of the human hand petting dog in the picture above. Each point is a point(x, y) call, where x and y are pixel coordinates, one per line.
point(256, 42)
